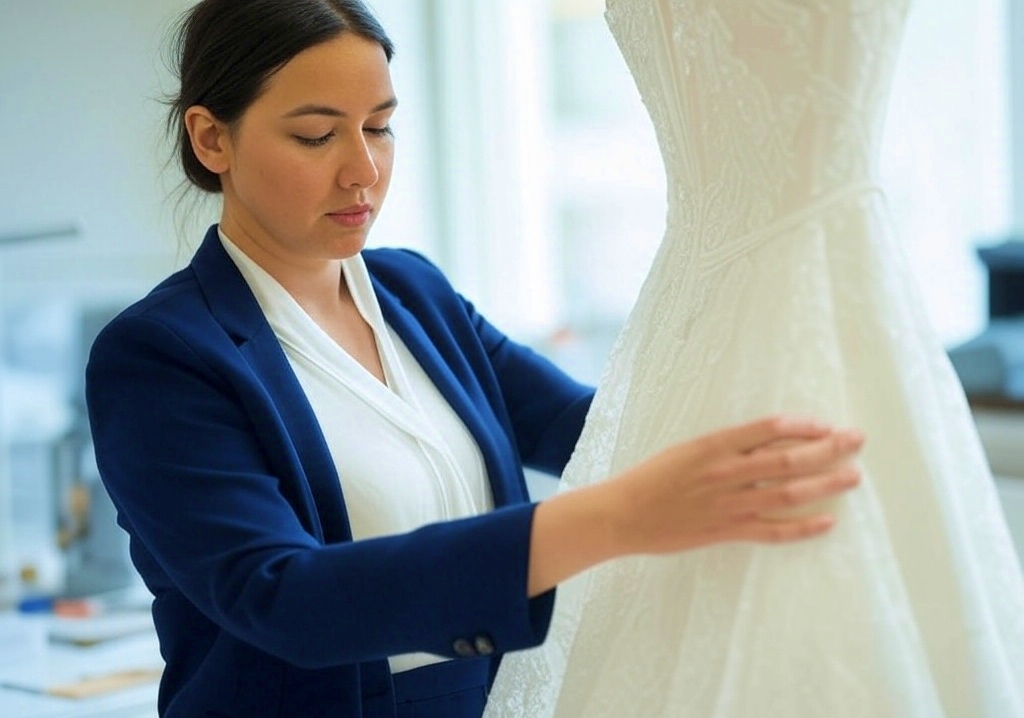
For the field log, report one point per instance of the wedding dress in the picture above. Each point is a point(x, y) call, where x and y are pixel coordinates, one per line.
point(778, 288)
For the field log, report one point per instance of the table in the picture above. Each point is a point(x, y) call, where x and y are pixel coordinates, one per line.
point(38, 653)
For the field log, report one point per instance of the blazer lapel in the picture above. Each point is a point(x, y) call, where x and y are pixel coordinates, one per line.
point(236, 309)
point(437, 353)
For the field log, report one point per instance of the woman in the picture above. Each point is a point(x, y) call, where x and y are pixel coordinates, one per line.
point(317, 450)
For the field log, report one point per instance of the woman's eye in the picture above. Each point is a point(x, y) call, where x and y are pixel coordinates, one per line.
point(314, 141)
point(385, 131)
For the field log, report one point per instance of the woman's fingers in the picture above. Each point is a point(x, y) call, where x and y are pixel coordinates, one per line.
point(791, 494)
point(747, 437)
point(758, 530)
point(789, 460)
point(769, 531)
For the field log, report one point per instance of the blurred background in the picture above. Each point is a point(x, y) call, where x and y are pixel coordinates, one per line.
point(526, 167)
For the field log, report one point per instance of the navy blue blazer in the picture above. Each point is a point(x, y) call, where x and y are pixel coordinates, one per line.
point(263, 603)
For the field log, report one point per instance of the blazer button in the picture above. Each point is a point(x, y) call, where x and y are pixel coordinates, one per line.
point(484, 645)
point(463, 648)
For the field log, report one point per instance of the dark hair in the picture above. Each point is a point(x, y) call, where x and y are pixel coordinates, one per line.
point(226, 50)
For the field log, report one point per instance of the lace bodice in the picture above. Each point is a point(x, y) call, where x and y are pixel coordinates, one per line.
point(778, 104)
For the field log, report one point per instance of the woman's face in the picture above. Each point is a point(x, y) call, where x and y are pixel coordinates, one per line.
point(309, 162)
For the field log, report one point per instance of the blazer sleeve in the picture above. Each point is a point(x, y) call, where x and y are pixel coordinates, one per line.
point(187, 464)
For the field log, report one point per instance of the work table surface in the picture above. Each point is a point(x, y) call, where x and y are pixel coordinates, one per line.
point(39, 654)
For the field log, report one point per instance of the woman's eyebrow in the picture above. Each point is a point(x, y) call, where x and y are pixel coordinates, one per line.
point(335, 112)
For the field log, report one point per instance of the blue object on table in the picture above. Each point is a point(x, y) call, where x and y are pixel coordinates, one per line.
point(992, 364)
point(36, 604)
point(1004, 263)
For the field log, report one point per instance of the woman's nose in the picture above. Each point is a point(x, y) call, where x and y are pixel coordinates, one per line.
point(360, 166)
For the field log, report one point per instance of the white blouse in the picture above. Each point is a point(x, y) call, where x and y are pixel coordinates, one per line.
point(404, 457)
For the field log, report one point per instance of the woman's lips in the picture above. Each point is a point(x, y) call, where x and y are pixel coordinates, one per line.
point(352, 216)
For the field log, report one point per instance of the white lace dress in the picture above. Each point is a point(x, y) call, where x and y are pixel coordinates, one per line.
point(779, 288)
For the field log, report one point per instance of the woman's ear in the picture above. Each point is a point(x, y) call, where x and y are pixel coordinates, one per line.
point(210, 139)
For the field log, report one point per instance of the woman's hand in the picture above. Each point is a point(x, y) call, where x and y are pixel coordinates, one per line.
point(752, 482)
point(764, 481)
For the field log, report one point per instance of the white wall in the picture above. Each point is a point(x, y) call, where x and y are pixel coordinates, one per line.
point(80, 144)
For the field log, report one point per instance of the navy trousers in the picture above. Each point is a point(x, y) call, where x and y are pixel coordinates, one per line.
point(453, 689)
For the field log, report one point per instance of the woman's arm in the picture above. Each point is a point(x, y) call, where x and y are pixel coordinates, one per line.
point(724, 486)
